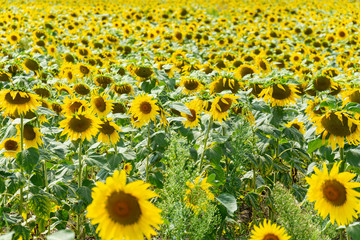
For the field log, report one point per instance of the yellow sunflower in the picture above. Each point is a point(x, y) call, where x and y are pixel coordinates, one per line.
point(193, 119)
point(245, 70)
point(11, 147)
point(101, 105)
point(123, 210)
point(108, 132)
point(191, 85)
point(280, 94)
point(312, 109)
point(127, 168)
point(73, 105)
point(32, 136)
point(296, 124)
point(223, 83)
point(123, 88)
point(339, 125)
point(351, 95)
point(80, 125)
point(30, 64)
point(143, 109)
point(15, 102)
point(197, 192)
point(268, 231)
point(334, 194)
point(221, 105)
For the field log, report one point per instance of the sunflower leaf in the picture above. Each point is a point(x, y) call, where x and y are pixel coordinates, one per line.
point(354, 230)
point(228, 201)
point(180, 107)
point(352, 157)
point(28, 159)
point(40, 206)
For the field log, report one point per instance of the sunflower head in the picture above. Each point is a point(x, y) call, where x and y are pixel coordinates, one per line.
point(334, 195)
point(198, 194)
point(101, 105)
point(268, 231)
point(122, 88)
point(221, 105)
point(296, 124)
point(82, 89)
point(103, 81)
point(4, 76)
point(245, 70)
point(143, 72)
point(223, 83)
point(143, 109)
point(42, 91)
point(192, 120)
point(11, 147)
point(191, 85)
point(30, 64)
point(322, 83)
point(18, 102)
point(108, 131)
point(280, 94)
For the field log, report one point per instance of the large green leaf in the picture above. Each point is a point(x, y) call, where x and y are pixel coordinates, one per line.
point(180, 107)
point(353, 157)
point(314, 144)
point(21, 232)
point(28, 159)
point(40, 205)
point(354, 230)
point(229, 202)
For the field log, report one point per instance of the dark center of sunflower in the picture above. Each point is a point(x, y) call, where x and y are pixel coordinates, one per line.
point(263, 65)
point(191, 117)
point(342, 34)
point(355, 96)
point(106, 128)
point(14, 38)
point(69, 58)
point(18, 99)
point(296, 58)
point(256, 89)
point(191, 84)
point(4, 77)
point(83, 52)
point(224, 104)
point(335, 126)
point(11, 145)
point(43, 92)
point(123, 208)
point(246, 71)
point(75, 106)
point(322, 83)
point(80, 124)
point(84, 70)
point(100, 104)
point(334, 192)
point(124, 89)
point(270, 236)
point(82, 89)
point(70, 75)
point(281, 93)
point(145, 107)
point(29, 133)
point(118, 108)
point(295, 125)
point(143, 72)
point(31, 64)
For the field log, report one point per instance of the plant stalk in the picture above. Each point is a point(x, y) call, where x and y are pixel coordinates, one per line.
point(148, 156)
point(205, 144)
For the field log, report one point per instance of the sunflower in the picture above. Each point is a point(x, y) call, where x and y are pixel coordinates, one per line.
point(268, 231)
point(30, 64)
point(32, 136)
point(223, 83)
point(11, 147)
point(322, 83)
point(122, 88)
point(123, 210)
point(280, 94)
point(83, 69)
point(14, 38)
point(339, 125)
point(351, 95)
point(80, 125)
point(197, 193)
point(334, 194)
point(244, 70)
point(296, 124)
point(73, 105)
point(221, 105)
point(103, 81)
point(193, 119)
point(313, 110)
point(61, 88)
point(191, 85)
point(127, 168)
point(81, 88)
point(108, 131)
point(4, 76)
point(101, 105)
point(342, 34)
point(143, 109)
point(42, 91)
point(18, 102)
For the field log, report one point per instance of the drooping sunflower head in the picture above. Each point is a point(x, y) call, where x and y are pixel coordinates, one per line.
point(245, 70)
point(11, 147)
point(118, 107)
point(268, 231)
point(339, 126)
point(4, 76)
point(221, 105)
point(32, 136)
point(81, 125)
point(83, 69)
point(143, 72)
point(191, 85)
point(108, 131)
point(81, 88)
point(103, 81)
point(69, 58)
point(296, 124)
point(123, 88)
point(280, 94)
point(198, 195)
point(351, 95)
point(322, 83)
point(101, 105)
point(18, 102)
point(192, 120)
point(144, 109)
point(30, 64)
point(42, 91)
point(334, 194)
point(223, 83)
point(125, 207)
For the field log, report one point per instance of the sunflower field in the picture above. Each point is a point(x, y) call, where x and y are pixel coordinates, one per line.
point(164, 119)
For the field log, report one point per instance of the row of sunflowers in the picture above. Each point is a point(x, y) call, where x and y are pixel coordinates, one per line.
point(179, 120)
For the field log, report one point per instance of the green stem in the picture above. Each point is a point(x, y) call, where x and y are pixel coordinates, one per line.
point(147, 158)
point(79, 217)
point(22, 149)
point(45, 176)
point(342, 159)
point(205, 144)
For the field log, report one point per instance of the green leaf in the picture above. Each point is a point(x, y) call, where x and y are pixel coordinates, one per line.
point(85, 194)
point(180, 107)
point(45, 111)
point(293, 134)
point(62, 235)
point(2, 185)
point(353, 157)
point(229, 202)
point(354, 230)
point(21, 231)
point(252, 199)
point(40, 205)
point(28, 159)
point(314, 144)
point(157, 179)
